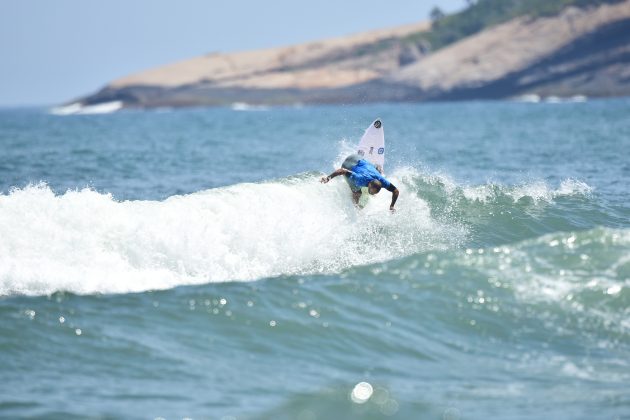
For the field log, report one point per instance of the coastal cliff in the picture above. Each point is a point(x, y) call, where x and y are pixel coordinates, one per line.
point(581, 50)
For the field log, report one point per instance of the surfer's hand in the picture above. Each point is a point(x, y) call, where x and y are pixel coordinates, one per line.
point(325, 179)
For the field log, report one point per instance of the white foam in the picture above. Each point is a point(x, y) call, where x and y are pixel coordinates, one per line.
point(87, 242)
point(67, 109)
point(529, 98)
point(79, 109)
point(538, 191)
point(243, 106)
point(535, 190)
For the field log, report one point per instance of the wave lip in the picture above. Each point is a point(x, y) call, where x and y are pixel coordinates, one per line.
point(537, 191)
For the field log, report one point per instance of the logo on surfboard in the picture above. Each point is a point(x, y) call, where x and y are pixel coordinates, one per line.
point(377, 124)
point(381, 150)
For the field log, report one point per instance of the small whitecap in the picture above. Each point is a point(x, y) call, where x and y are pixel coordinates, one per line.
point(613, 290)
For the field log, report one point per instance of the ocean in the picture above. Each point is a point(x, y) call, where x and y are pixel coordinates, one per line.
point(188, 264)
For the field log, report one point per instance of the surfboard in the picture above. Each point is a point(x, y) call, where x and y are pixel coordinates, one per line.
point(372, 148)
point(372, 144)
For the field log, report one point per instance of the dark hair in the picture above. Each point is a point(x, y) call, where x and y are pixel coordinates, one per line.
point(376, 184)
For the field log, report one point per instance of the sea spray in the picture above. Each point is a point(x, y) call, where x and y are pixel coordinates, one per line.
point(87, 242)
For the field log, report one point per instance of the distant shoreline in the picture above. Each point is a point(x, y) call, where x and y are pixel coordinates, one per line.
point(577, 52)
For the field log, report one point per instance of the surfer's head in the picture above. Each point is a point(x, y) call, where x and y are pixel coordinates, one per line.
point(374, 187)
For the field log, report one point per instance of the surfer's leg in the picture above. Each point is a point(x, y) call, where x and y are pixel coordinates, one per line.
point(354, 189)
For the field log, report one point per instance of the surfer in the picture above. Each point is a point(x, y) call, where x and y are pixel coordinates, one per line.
point(363, 176)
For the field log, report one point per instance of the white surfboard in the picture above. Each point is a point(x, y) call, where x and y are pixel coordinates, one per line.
point(372, 144)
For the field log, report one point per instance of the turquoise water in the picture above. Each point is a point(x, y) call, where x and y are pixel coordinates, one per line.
point(188, 264)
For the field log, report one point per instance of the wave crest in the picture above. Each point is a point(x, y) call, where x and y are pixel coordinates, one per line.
point(87, 242)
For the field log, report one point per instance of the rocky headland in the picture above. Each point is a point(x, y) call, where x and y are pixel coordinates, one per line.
point(578, 51)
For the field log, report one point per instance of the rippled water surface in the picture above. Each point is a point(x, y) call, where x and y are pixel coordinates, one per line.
point(188, 264)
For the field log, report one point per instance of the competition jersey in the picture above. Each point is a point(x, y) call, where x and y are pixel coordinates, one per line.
point(364, 172)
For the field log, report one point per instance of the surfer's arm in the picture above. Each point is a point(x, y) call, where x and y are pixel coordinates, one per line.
point(338, 172)
point(395, 193)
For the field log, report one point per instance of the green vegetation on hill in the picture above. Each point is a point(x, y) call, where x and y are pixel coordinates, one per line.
point(447, 29)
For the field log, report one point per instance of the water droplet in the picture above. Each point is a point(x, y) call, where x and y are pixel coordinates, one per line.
point(272, 323)
point(390, 407)
point(361, 392)
point(62, 320)
point(451, 413)
point(78, 331)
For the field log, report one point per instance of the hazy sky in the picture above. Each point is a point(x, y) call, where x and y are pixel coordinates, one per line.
point(54, 50)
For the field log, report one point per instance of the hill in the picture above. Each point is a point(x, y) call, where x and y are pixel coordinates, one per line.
point(555, 47)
